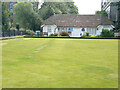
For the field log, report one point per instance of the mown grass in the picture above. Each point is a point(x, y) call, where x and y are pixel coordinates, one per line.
point(60, 63)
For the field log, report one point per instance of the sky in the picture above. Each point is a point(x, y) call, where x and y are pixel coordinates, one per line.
point(88, 6)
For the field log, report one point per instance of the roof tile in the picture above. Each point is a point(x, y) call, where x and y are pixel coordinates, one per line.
point(70, 20)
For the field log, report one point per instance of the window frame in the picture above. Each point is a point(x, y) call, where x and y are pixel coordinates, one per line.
point(49, 30)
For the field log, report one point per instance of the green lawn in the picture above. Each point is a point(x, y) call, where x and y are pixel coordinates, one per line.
point(60, 63)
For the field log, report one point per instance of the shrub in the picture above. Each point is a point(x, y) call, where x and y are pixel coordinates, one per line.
point(13, 28)
point(87, 33)
point(63, 33)
point(51, 34)
point(95, 36)
point(85, 36)
point(107, 33)
point(30, 32)
point(55, 34)
point(22, 29)
point(69, 32)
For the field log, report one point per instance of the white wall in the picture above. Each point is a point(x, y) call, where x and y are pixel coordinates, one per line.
point(91, 30)
point(75, 33)
point(78, 30)
point(53, 28)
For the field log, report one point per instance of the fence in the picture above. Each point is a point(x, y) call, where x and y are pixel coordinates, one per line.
point(8, 33)
point(117, 34)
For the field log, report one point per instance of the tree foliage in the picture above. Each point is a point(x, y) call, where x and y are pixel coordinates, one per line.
point(117, 25)
point(27, 16)
point(35, 6)
point(50, 8)
point(107, 33)
point(0, 11)
point(102, 12)
point(31, 17)
point(5, 16)
point(119, 15)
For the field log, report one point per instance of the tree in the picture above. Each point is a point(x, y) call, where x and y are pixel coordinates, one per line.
point(30, 17)
point(50, 8)
point(25, 14)
point(102, 12)
point(5, 16)
point(118, 4)
point(35, 6)
point(117, 25)
point(0, 16)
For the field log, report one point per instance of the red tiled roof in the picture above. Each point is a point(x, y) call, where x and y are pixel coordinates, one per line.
point(69, 20)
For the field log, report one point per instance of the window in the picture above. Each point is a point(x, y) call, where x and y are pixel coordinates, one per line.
point(71, 29)
point(83, 29)
point(58, 29)
point(104, 3)
point(92, 31)
point(49, 28)
point(102, 6)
